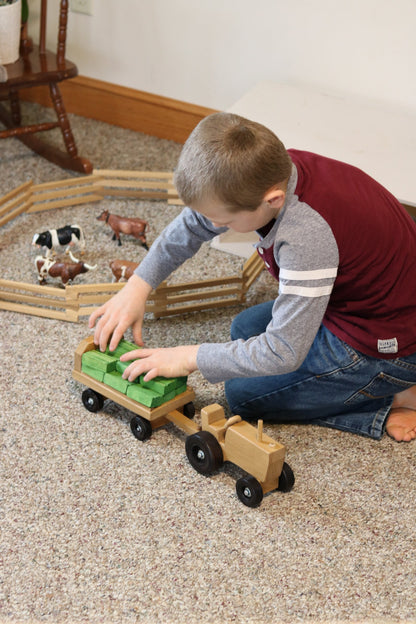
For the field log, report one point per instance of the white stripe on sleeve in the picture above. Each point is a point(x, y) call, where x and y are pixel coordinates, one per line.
point(308, 275)
point(305, 291)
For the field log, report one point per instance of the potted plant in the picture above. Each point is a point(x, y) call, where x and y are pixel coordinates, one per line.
point(10, 25)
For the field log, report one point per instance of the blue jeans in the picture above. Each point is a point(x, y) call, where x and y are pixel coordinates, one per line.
point(336, 386)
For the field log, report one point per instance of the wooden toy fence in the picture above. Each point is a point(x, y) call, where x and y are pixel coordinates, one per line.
point(75, 301)
point(31, 197)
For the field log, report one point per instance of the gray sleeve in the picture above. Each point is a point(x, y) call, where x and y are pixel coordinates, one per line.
point(307, 254)
point(179, 241)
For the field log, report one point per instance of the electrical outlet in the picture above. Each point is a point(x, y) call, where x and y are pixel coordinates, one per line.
point(82, 6)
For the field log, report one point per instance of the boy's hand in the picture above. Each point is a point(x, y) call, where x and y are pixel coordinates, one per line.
point(126, 309)
point(169, 362)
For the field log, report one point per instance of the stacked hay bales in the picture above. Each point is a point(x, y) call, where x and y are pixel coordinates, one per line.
point(108, 369)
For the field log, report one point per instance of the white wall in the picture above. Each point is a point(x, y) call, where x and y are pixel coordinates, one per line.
point(210, 52)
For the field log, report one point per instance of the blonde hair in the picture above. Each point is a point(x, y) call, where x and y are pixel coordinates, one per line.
point(233, 160)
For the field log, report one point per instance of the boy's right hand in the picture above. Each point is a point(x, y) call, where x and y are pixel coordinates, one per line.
point(126, 309)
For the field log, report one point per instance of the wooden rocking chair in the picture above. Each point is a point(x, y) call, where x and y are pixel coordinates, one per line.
point(38, 66)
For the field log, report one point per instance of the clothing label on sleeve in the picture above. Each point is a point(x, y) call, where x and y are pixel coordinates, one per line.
point(389, 345)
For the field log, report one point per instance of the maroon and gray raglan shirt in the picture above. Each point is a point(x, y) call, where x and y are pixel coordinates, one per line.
point(344, 252)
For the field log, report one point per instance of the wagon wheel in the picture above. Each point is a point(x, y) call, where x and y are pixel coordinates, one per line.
point(92, 400)
point(203, 452)
point(141, 428)
point(189, 410)
point(286, 479)
point(249, 491)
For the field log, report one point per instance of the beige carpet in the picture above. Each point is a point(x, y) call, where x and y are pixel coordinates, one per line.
point(98, 527)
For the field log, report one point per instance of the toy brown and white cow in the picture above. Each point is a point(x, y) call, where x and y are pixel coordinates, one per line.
point(125, 225)
point(122, 269)
point(67, 271)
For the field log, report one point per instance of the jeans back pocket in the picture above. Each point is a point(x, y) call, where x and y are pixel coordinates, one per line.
point(382, 385)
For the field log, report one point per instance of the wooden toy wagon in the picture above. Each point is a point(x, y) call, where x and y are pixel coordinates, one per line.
point(154, 403)
point(161, 400)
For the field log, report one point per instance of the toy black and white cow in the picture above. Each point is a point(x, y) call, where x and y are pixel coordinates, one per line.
point(68, 235)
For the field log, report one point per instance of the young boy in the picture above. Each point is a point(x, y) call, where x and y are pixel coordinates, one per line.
point(337, 347)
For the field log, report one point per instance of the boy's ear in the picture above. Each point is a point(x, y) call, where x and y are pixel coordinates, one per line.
point(275, 197)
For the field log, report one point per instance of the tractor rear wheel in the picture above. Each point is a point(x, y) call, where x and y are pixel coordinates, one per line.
point(203, 452)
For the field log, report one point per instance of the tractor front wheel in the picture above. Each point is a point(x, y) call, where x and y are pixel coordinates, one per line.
point(249, 491)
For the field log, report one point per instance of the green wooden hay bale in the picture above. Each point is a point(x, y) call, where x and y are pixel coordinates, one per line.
point(93, 372)
point(144, 395)
point(123, 347)
point(121, 366)
point(117, 352)
point(99, 361)
point(116, 381)
point(129, 346)
point(169, 396)
point(181, 389)
point(180, 382)
point(161, 385)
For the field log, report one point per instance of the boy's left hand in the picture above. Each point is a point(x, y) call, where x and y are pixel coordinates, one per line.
point(168, 362)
